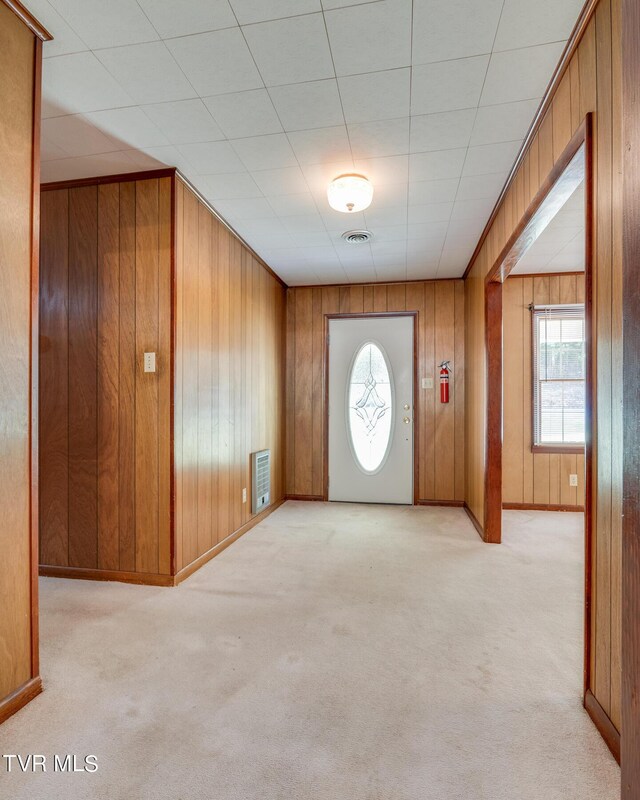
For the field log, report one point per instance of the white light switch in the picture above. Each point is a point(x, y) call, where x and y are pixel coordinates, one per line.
point(427, 383)
point(573, 480)
point(149, 362)
point(244, 495)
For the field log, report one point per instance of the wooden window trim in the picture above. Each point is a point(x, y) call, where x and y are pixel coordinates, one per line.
point(560, 448)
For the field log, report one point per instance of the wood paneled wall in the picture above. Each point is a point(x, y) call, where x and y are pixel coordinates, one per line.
point(592, 82)
point(532, 478)
point(229, 378)
point(440, 447)
point(105, 299)
point(20, 60)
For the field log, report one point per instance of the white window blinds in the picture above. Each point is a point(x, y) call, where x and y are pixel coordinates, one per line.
point(558, 375)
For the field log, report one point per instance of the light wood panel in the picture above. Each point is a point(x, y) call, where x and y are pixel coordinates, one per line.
point(105, 424)
point(20, 60)
point(532, 478)
point(229, 384)
point(440, 335)
point(590, 84)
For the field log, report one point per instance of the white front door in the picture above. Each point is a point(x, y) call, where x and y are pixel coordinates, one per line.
point(371, 409)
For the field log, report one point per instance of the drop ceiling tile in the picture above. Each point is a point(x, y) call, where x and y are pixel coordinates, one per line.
point(447, 29)
point(520, 74)
point(245, 208)
point(384, 138)
point(488, 158)
point(423, 272)
point(427, 232)
point(50, 151)
point(147, 72)
point(263, 227)
point(289, 180)
point(231, 186)
point(130, 127)
point(433, 212)
point(477, 187)
point(465, 229)
point(291, 50)
point(394, 215)
point(216, 62)
point(111, 24)
point(79, 82)
point(304, 223)
point(302, 106)
point(451, 266)
point(164, 155)
point(265, 152)
point(244, 114)
point(328, 5)
point(322, 145)
point(437, 165)
point(184, 121)
point(503, 123)
point(370, 37)
point(447, 85)
point(384, 171)
point(249, 11)
point(76, 136)
point(211, 158)
point(290, 205)
point(390, 194)
point(86, 167)
point(311, 240)
point(376, 95)
point(65, 39)
point(192, 16)
point(451, 129)
point(523, 24)
point(440, 191)
point(473, 210)
point(391, 233)
point(337, 222)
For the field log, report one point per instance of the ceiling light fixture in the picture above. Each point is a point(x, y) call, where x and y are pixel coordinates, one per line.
point(350, 193)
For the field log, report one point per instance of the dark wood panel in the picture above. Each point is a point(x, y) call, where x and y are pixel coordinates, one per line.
point(83, 309)
point(108, 389)
point(53, 397)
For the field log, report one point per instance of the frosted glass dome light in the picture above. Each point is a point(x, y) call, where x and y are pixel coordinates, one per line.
point(350, 193)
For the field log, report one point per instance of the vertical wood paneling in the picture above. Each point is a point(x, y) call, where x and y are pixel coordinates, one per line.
point(112, 305)
point(519, 463)
point(83, 454)
point(54, 378)
point(108, 390)
point(231, 377)
point(440, 335)
point(591, 84)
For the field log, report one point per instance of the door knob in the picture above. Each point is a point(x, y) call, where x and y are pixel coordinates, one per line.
point(406, 406)
point(406, 420)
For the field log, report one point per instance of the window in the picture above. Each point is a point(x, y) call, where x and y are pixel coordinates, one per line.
point(558, 376)
point(370, 407)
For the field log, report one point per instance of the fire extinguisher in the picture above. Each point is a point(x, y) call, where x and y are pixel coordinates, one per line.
point(444, 381)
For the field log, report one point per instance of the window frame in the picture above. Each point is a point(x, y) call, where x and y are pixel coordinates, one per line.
point(556, 310)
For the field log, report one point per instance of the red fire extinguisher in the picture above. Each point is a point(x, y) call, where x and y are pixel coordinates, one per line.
point(444, 381)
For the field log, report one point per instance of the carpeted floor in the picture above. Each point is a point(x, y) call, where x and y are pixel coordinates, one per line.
point(336, 652)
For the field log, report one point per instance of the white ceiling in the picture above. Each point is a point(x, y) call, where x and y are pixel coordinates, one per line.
point(261, 103)
point(561, 245)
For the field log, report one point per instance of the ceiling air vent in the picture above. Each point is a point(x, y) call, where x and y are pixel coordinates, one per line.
point(357, 237)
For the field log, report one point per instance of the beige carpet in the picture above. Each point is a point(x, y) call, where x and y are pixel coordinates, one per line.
point(336, 652)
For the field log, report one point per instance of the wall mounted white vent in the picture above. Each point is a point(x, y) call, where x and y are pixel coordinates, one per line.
point(260, 480)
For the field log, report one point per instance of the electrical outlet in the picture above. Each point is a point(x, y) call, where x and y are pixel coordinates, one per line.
point(244, 495)
point(149, 362)
point(573, 480)
point(427, 383)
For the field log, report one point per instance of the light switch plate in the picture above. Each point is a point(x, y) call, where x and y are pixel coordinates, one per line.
point(149, 362)
point(244, 495)
point(427, 383)
point(573, 480)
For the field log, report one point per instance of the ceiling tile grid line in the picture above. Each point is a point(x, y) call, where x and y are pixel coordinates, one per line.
point(261, 103)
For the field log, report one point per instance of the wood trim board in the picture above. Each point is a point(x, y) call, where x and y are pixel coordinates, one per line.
point(41, 33)
point(539, 507)
point(19, 698)
point(605, 727)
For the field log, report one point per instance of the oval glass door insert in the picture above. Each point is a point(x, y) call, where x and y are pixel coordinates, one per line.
point(370, 407)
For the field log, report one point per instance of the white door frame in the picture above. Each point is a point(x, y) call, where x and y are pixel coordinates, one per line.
point(416, 418)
